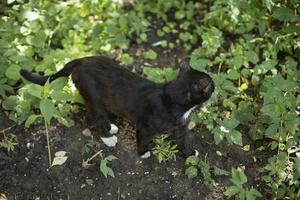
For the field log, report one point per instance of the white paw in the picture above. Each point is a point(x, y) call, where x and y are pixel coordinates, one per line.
point(196, 153)
point(110, 141)
point(113, 129)
point(146, 155)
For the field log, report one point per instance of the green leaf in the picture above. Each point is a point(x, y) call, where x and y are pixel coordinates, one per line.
point(179, 14)
point(271, 130)
point(113, 30)
point(230, 123)
point(31, 119)
point(218, 135)
point(252, 194)
point(264, 67)
point(47, 109)
point(13, 72)
point(235, 137)
point(34, 90)
point(233, 74)
point(238, 176)
point(10, 103)
point(285, 14)
point(59, 95)
point(39, 39)
point(104, 168)
point(199, 64)
point(111, 157)
point(252, 57)
point(232, 190)
point(58, 84)
point(150, 54)
point(220, 172)
point(192, 160)
point(236, 62)
point(191, 172)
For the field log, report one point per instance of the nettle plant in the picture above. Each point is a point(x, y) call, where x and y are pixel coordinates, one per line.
point(238, 188)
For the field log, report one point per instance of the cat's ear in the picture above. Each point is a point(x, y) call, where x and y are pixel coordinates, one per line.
point(185, 65)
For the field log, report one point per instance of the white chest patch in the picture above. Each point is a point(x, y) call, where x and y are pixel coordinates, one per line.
point(186, 115)
point(110, 141)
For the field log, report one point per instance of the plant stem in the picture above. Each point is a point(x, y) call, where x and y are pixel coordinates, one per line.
point(48, 144)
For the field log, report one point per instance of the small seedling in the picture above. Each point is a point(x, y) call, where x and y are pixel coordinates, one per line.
point(195, 164)
point(9, 142)
point(238, 189)
point(104, 168)
point(164, 149)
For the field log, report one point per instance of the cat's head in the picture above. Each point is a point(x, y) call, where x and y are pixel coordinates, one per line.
point(197, 87)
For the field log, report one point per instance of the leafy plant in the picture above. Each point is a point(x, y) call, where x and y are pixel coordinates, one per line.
point(104, 168)
point(238, 179)
point(195, 165)
point(159, 75)
point(9, 141)
point(164, 150)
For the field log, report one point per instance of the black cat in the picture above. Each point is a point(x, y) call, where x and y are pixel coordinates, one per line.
point(109, 88)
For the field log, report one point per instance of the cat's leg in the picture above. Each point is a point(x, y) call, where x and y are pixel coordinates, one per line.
point(180, 136)
point(96, 110)
point(144, 138)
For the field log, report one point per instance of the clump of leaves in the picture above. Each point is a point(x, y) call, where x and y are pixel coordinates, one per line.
point(159, 75)
point(9, 141)
point(164, 149)
point(194, 164)
point(238, 188)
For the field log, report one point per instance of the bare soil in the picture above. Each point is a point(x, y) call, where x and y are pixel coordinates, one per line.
point(25, 173)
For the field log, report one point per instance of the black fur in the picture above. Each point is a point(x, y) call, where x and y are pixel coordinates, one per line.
point(109, 88)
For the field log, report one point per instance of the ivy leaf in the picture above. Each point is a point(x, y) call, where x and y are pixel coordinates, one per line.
point(47, 109)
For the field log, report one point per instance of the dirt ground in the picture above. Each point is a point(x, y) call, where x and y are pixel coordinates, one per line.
point(25, 173)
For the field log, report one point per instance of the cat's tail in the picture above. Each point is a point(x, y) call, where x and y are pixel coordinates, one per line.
point(41, 80)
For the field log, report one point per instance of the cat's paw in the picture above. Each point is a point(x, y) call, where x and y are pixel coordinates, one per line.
point(110, 141)
point(146, 155)
point(113, 129)
point(196, 153)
